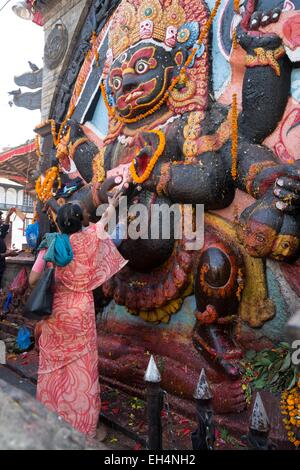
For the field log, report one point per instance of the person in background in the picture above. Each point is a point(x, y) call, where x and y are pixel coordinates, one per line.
point(4, 253)
point(68, 377)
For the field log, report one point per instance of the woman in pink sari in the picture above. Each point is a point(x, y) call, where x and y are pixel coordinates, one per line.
point(68, 380)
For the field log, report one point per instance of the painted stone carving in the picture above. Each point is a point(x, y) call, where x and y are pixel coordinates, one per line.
point(203, 307)
point(56, 46)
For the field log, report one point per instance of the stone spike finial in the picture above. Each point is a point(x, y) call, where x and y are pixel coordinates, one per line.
point(202, 391)
point(152, 373)
point(259, 418)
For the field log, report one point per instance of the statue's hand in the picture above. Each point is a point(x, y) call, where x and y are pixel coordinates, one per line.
point(107, 186)
point(254, 18)
point(287, 191)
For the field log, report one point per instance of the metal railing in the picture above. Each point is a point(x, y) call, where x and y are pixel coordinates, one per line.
point(203, 438)
point(21, 207)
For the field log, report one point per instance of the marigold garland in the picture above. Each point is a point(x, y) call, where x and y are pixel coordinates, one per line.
point(98, 167)
point(44, 190)
point(35, 213)
point(95, 50)
point(290, 408)
point(234, 138)
point(203, 34)
point(175, 80)
point(234, 39)
point(236, 6)
point(38, 146)
point(151, 164)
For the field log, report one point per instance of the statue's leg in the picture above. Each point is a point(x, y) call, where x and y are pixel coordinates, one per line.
point(218, 285)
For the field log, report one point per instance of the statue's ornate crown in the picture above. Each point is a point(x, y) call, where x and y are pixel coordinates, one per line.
point(152, 19)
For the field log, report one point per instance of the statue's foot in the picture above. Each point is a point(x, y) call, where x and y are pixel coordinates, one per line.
point(216, 344)
point(228, 397)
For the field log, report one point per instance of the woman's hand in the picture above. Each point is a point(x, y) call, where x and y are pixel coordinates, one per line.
point(107, 186)
point(11, 211)
point(114, 198)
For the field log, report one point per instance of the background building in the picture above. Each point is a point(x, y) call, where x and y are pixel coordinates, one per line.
point(17, 166)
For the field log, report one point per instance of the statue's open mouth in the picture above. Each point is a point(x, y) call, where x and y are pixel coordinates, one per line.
point(133, 96)
point(142, 161)
point(130, 100)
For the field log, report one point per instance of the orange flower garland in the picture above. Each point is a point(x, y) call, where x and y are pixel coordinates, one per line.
point(35, 213)
point(180, 77)
point(236, 6)
point(95, 50)
point(38, 146)
point(234, 138)
point(290, 408)
point(203, 34)
point(151, 164)
point(44, 190)
point(53, 132)
point(234, 39)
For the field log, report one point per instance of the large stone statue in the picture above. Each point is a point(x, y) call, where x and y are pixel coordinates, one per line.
point(192, 308)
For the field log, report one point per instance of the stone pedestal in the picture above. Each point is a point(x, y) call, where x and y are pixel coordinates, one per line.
point(25, 424)
point(14, 265)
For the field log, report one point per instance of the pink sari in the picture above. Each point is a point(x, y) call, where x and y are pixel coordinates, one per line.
point(68, 381)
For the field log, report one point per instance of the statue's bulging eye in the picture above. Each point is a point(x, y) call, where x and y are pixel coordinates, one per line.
point(260, 238)
point(123, 57)
point(141, 66)
point(117, 82)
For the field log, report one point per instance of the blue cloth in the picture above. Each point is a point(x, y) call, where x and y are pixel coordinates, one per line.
point(7, 303)
point(32, 235)
point(118, 234)
point(23, 339)
point(59, 249)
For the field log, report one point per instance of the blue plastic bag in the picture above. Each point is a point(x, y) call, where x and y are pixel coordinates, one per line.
point(7, 302)
point(32, 235)
point(23, 339)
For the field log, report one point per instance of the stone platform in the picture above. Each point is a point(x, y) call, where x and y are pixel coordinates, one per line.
point(25, 424)
point(14, 265)
point(125, 415)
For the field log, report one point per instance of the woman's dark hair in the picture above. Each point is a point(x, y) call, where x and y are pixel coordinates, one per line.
point(69, 218)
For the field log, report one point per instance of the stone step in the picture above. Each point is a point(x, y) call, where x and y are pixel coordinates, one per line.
point(27, 425)
point(12, 327)
point(4, 335)
point(14, 379)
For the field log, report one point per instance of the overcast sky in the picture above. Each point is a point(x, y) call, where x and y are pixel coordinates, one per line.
point(20, 41)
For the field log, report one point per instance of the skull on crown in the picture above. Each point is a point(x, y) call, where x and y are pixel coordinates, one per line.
point(171, 34)
point(146, 29)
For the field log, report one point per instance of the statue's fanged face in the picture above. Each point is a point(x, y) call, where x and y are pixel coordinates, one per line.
point(257, 238)
point(139, 77)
